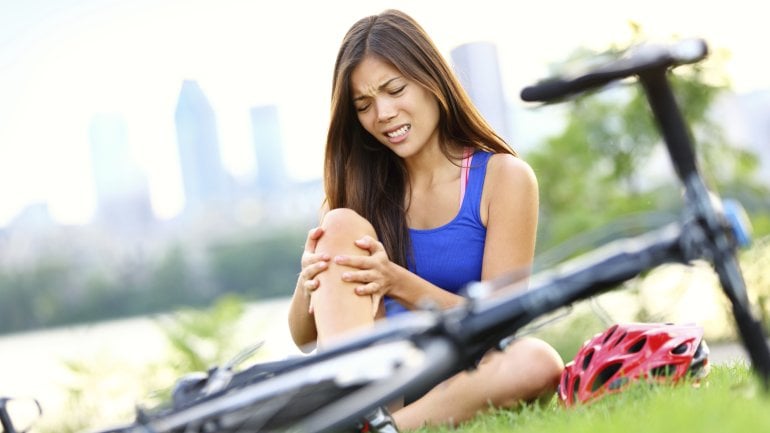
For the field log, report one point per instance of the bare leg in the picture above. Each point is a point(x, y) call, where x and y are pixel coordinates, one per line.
point(527, 370)
point(336, 306)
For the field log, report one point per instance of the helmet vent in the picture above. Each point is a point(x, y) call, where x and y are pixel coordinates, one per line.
point(587, 359)
point(605, 375)
point(622, 336)
point(617, 383)
point(609, 334)
point(575, 388)
point(638, 345)
point(681, 349)
point(663, 370)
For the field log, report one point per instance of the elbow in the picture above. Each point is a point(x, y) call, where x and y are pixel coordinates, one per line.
point(303, 338)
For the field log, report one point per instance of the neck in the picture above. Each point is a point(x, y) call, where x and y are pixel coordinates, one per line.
point(430, 168)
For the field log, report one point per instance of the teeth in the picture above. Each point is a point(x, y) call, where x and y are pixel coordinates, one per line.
point(399, 132)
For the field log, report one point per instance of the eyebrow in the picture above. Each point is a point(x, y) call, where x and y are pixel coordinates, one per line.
point(380, 87)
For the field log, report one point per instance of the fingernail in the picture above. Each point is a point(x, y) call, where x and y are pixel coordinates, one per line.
point(346, 276)
point(339, 259)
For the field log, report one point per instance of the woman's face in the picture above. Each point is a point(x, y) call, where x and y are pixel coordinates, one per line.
point(398, 112)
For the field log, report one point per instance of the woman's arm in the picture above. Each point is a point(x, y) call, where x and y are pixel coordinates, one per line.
point(510, 205)
point(301, 319)
point(378, 276)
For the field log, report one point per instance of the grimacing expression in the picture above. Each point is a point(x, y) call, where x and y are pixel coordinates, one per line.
point(399, 112)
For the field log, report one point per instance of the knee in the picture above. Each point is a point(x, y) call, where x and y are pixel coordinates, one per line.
point(543, 365)
point(345, 221)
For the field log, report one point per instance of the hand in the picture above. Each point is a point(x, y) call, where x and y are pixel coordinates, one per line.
point(312, 265)
point(374, 272)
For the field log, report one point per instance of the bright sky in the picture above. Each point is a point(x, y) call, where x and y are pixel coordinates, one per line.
point(62, 61)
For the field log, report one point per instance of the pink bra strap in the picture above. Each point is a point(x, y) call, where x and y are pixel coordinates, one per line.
point(466, 169)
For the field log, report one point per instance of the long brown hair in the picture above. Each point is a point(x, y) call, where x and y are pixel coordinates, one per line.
point(362, 174)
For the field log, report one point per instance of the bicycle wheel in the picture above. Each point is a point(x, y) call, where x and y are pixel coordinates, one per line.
point(329, 395)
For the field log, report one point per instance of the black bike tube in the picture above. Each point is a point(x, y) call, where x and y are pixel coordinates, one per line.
point(670, 121)
point(750, 329)
point(5, 419)
point(725, 262)
point(575, 280)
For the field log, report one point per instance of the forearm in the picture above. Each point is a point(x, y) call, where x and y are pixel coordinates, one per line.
point(301, 321)
point(413, 292)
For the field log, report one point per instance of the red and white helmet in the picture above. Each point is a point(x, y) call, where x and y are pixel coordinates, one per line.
point(627, 352)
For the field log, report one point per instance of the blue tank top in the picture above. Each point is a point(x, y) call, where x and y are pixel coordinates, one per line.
point(450, 256)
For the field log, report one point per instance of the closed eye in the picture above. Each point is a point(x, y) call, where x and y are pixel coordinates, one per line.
point(397, 91)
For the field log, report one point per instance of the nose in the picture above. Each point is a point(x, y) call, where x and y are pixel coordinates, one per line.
point(386, 109)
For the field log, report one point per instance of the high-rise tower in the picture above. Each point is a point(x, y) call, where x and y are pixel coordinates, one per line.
point(122, 192)
point(477, 66)
point(204, 178)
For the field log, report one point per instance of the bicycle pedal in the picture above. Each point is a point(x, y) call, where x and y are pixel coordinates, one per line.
point(379, 421)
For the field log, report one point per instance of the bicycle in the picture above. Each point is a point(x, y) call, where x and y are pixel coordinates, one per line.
point(328, 391)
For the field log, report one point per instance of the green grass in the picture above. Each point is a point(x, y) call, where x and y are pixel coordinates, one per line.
point(729, 399)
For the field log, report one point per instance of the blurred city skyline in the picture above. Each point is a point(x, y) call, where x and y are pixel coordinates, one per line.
point(64, 62)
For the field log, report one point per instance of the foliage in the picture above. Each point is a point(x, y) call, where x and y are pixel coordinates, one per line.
point(19, 310)
point(672, 293)
point(258, 266)
point(103, 390)
point(202, 338)
point(606, 162)
point(59, 290)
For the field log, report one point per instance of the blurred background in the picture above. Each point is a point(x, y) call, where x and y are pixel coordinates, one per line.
point(160, 165)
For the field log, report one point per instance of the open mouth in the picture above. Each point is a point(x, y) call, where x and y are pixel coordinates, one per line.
point(399, 132)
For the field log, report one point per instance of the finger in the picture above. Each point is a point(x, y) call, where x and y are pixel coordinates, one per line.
point(363, 277)
point(312, 238)
point(369, 243)
point(310, 259)
point(311, 285)
point(372, 288)
point(359, 262)
point(311, 271)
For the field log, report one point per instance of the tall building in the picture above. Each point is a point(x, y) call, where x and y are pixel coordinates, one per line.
point(268, 147)
point(122, 191)
point(476, 65)
point(204, 178)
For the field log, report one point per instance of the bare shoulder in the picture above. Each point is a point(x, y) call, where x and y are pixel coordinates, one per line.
point(510, 190)
point(506, 171)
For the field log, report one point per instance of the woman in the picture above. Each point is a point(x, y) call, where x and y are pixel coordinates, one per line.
point(422, 197)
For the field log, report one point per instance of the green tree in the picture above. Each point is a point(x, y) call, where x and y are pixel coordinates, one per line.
point(597, 169)
point(259, 266)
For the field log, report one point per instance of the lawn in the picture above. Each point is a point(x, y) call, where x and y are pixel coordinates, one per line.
point(729, 399)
